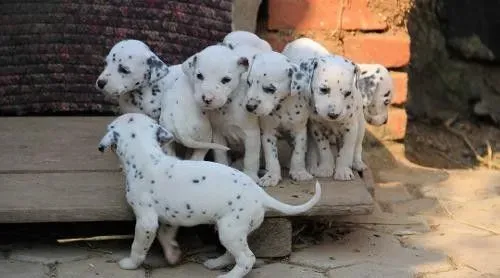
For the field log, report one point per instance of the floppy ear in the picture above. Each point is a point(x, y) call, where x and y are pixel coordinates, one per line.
point(163, 136)
point(298, 80)
point(357, 77)
point(189, 65)
point(157, 68)
point(309, 68)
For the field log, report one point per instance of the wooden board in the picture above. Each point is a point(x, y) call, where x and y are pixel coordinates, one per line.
point(51, 171)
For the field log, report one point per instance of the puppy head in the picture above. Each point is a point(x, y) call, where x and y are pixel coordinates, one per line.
point(130, 65)
point(375, 84)
point(333, 82)
point(131, 127)
point(215, 73)
point(271, 79)
point(238, 38)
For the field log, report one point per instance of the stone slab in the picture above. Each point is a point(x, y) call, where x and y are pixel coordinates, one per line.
point(272, 239)
point(96, 267)
point(284, 270)
point(13, 269)
point(370, 270)
point(50, 253)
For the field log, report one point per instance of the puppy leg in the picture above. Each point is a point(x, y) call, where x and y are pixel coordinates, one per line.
point(273, 175)
point(220, 156)
point(326, 160)
point(233, 235)
point(166, 237)
point(358, 163)
point(251, 159)
point(199, 154)
point(220, 262)
point(145, 231)
point(343, 170)
point(298, 164)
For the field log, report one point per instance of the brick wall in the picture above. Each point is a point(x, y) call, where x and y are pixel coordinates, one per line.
point(366, 31)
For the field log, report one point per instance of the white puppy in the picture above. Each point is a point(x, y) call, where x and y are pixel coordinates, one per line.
point(337, 117)
point(219, 90)
point(375, 82)
point(237, 38)
point(278, 94)
point(137, 76)
point(175, 192)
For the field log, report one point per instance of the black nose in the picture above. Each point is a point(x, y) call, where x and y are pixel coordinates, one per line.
point(333, 116)
point(251, 107)
point(101, 148)
point(101, 83)
point(206, 100)
point(385, 121)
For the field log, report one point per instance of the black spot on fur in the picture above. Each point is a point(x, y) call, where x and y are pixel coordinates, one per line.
point(196, 181)
point(188, 206)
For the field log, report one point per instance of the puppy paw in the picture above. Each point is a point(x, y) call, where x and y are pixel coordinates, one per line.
point(173, 255)
point(343, 174)
point(322, 171)
point(359, 166)
point(300, 175)
point(128, 263)
point(269, 179)
point(214, 264)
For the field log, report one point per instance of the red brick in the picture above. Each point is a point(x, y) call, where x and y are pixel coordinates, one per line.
point(277, 40)
point(303, 14)
point(400, 82)
point(392, 51)
point(395, 128)
point(357, 16)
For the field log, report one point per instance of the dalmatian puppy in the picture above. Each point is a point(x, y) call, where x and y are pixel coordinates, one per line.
point(173, 192)
point(337, 116)
point(219, 91)
point(238, 38)
point(137, 76)
point(375, 82)
point(181, 116)
point(278, 95)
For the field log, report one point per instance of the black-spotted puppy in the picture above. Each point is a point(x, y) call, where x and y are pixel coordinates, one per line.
point(337, 116)
point(137, 76)
point(278, 95)
point(216, 74)
point(163, 189)
point(238, 38)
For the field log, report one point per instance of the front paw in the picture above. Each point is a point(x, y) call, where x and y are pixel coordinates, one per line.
point(173, 254)
point(359, 166)
point(128, 263)
point(300, 175)
point(252, 175)
point(343, 174)
point(322, 171)
point(269, 179)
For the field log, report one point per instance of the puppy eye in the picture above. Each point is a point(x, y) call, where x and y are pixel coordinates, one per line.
point(200, 76)
point(122, 69)
point(386, 102)
point(324, 90)
point(348, 93)
point(269, 90)
point(225, 80)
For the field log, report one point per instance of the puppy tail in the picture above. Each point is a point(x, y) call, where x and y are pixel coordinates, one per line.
point(189, 142)
point(287, 209)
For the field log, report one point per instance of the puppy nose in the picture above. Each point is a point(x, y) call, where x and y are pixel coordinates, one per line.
point(101, 83)
point(333, 116)
point(101, 148)
point(206, 100)
point(251, 107)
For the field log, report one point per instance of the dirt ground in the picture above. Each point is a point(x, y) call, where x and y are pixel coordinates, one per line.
point(438, 146)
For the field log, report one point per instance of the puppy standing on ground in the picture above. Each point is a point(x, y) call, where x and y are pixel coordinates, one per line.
point(136, 75)
point(215, 73)
point(174, 192)
point(279, 95)
point(375, 82)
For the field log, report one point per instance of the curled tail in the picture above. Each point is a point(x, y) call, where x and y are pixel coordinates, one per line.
point(272, 203)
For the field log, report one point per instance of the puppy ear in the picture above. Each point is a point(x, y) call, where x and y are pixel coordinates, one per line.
point(157, 68)
point(163, 136)
point(243, 63)
point(189, 65)
point(309, 68)
point(298, 80)
point(357, 77)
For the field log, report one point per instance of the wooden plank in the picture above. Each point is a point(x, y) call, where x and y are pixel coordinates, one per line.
point(53, 144)
point(96, 196)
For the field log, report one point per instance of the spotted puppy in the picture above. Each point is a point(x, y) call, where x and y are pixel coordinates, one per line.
point(137, 76)
point(163, 189)
point(337, 116)
point(238, 38)
point(219, 90)
point(375, 82)
point(278, 94)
